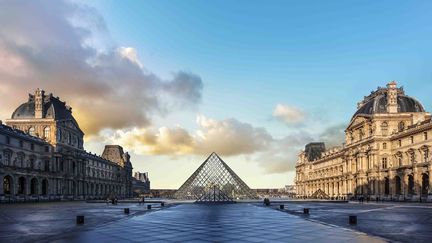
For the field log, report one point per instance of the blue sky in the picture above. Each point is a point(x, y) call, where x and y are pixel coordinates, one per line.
point(301, 52)
point(241, 60)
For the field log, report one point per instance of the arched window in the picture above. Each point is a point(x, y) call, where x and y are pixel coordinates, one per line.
point(44, 187)
point(31, 131)
point(384, 128)
point(47, 133)
point(425, 184)
point(33, 186)
point(386, 186)
point(21, 185)
point(398, 185)
point(410, 184)
point(47, 165)
point(7, 185)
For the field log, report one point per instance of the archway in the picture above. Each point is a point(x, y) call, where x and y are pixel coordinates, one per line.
point(44, 187)
point(34, 186)
point(398, 185)
point(425, 184)
point(386, 186)
point(21, 185)
point(7, 185)
point(410, 185)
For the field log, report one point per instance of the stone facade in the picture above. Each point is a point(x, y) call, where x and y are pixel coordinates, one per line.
point(140, 183)
point(42, 157)
point(386, 154)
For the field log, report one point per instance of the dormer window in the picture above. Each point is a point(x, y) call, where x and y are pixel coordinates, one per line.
point(401, 126)
point(47, 133)
point(384, 128)
point(31, 131)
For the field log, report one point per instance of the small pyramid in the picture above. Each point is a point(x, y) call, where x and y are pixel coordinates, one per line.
point(215, 181)
point(320, 194)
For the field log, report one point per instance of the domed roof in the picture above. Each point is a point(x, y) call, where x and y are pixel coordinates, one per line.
point(53, 108)
point(377, 103)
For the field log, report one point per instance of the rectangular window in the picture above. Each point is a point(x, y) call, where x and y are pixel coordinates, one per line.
point(384, 145)
point(412, 139)
point(46, 149)
point(7, 140)
point(7, 158)
point(384, 163)
point(21, 143)
point(425, 135)
point(32, 146)
point(400, 143)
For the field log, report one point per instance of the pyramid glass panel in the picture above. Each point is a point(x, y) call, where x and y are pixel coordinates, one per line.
point(214, 180)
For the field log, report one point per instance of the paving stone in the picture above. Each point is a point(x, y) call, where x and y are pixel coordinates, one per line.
point(221, 223)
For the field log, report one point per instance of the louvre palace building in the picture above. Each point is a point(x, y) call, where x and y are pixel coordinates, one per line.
point(386, 154)
point(42, 157)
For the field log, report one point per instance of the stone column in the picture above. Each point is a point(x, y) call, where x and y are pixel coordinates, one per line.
point(27, 186)
point(430, 178)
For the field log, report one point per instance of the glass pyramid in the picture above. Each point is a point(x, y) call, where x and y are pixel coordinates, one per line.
point(214, 181)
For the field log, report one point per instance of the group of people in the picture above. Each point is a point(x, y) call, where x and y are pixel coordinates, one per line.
point(113, 201)
point(141, 201)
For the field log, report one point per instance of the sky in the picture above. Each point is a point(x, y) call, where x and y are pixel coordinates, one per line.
point(173, 81)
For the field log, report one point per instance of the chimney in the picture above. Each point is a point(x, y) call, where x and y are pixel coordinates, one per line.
point(392, 106)
point(39, 102)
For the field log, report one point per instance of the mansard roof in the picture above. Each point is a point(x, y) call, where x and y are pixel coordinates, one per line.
point(376, 103)
point(53, 108)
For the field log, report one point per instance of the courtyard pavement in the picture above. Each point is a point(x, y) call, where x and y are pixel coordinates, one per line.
point(29, 222)
point(404, 222)
point(216, 223)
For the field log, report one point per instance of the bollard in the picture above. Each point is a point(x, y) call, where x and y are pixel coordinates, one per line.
point(126, 210)
point(80, 219)
point(162, 204)
point(305, 210)
point(281, 206)
point(149, 207)
point(352, 219)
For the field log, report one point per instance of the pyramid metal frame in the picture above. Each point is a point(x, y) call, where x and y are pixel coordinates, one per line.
point(320, 194)
point(214, 181)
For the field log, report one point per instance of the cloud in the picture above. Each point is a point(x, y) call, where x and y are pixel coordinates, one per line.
point(65, 48)
point(162, 141)
point(289, 114)
point(228, 137)
point(131, 54)
point(333, 135)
